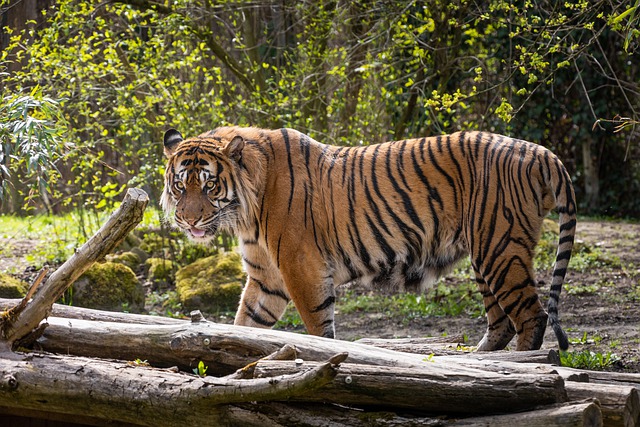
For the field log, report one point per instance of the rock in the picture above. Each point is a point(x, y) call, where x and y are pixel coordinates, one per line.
point(211, 284)
point(130, 259)
point(161, 272)
point(10, 287)
point(108, 286)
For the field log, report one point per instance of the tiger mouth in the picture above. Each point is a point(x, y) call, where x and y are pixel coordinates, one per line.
point(201, 233)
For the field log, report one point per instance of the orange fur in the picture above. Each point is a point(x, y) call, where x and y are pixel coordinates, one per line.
point(311, 217)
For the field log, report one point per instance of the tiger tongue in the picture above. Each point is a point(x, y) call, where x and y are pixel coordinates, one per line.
point(196, 232)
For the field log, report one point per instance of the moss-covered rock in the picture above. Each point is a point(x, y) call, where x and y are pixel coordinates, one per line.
point(10, 287)
point(108, 286)
point(211, 284)
point(130, 259)
point(130, 241)
point(161, 272)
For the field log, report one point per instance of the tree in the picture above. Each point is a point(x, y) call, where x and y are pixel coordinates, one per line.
point(343, 72)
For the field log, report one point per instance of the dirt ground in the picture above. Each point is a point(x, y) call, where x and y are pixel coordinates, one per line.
point(599, 309)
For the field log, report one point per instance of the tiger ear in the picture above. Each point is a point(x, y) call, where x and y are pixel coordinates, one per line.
point(234, 149)
point(171, 139)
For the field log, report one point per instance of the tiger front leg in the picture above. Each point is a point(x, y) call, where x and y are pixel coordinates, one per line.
point(263, 301)
point(314, 297)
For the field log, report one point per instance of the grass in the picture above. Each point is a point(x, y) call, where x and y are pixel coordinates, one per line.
point(58, 236)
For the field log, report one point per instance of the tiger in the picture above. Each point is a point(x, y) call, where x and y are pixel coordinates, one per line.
point(310, 217)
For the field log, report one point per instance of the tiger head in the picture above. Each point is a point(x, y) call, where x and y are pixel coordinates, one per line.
point(200, 185)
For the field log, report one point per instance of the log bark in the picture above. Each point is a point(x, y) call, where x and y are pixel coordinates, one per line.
point(450, 346)
point(26, 317)
point(411, 388)
point(139, 395)
point(581, 414)
point(72, 312)
point(620, 404)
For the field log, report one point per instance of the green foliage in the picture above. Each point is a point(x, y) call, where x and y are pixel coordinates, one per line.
point(354, 74)
point(584, 257)
point(290, 319)
point(586, 359)
point(30, 144)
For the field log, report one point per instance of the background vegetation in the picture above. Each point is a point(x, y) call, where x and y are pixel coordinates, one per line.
point(88, 87)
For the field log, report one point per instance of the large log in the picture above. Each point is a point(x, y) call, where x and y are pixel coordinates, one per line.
point(72, 312)
point(142, 396)
point(226, 348)
point(26, 317)
point(620, 404)
point(420, 389)
point(582, 414)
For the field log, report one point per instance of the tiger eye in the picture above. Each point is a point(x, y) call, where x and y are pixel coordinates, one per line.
point(179, 185)
point(209, 185)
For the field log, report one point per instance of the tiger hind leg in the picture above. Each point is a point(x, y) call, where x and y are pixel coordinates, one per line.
point(513, 287)
point(500, 330)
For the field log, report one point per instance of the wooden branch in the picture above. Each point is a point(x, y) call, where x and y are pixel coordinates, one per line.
point(412, 388)
point(17, 324)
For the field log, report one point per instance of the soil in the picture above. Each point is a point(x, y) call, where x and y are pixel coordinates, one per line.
point(599, 309)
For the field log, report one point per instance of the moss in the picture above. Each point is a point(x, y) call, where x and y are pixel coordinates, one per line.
point(161, 272)
point(10, 287)
point(550, 226)
point(211, 284)
point(130, 259)
point(108, 286)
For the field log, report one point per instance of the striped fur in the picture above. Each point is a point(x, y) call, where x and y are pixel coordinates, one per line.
point(398, 215)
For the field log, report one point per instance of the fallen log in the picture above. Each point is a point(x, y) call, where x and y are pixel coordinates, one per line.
point(72, 312)
point(438, 346)
point(139, 395)
point(420, 389)
point(278, 414)
point(573, 414)
point(620, 404)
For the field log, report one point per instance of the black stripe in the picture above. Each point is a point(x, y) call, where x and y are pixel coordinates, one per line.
point(287, 144)
point(252, 264)
point(325, 304)
point(257, 318)
point(569, 225)
point(560, 272)
point(566, 239)
point(265, 289)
